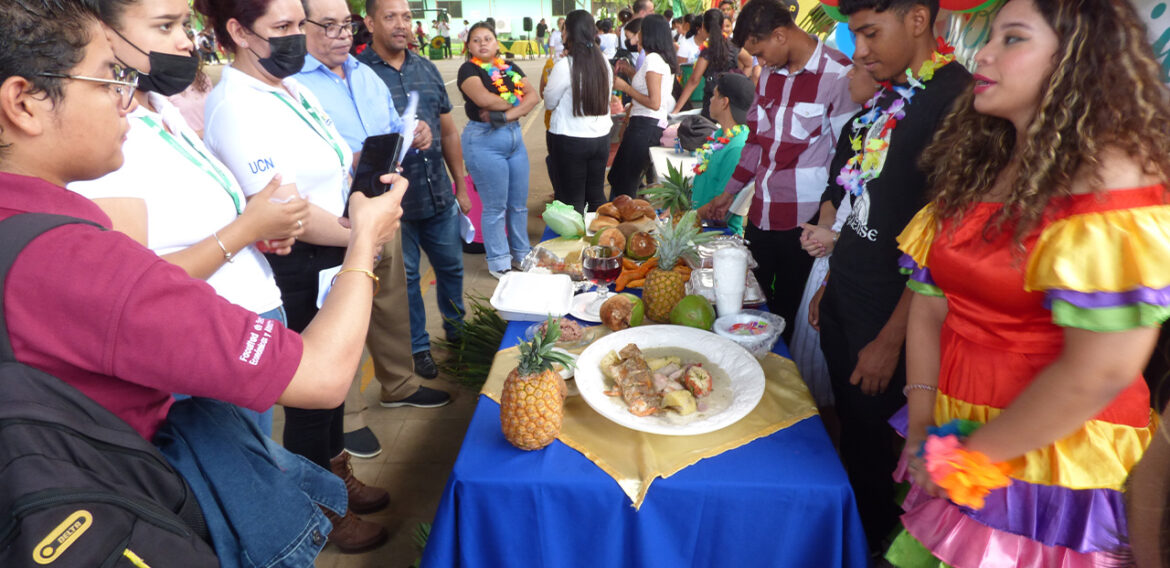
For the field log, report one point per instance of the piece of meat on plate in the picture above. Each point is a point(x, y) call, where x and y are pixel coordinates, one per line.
point(636, 383)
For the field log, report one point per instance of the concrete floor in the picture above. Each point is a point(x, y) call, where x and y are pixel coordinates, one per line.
point(420, 445)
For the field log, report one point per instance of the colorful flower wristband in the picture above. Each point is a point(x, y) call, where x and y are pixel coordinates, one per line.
point(967, 476)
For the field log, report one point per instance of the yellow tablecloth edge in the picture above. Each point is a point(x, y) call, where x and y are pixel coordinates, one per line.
point(636, 490)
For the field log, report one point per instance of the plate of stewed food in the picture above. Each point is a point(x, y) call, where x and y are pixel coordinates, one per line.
point(669, 379)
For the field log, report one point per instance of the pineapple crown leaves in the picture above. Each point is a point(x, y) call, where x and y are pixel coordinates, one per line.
point(677, 241)
point(673, 195)
point(537, 356)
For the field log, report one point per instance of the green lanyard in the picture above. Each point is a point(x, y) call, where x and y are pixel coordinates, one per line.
point(319, 126)
point(201, 160)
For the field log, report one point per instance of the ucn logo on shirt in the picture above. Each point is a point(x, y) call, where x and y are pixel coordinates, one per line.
point(261, 165)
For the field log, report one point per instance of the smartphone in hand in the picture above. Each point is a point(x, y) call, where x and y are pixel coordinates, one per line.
point(379, 157)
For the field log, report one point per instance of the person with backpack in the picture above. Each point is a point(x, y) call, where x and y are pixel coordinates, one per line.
point(123, 328)
point(201, 221)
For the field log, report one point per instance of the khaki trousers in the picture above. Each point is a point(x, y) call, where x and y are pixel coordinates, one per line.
point(388, 340)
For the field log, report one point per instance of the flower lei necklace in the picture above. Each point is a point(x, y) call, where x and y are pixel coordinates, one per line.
point(706, 42)
point(714, 144)
point(497, 70)
point(870, 151)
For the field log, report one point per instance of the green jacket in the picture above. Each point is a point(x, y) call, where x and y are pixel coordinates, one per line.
point(712, 182)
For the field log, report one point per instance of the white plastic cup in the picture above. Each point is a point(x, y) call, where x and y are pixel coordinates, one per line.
point(730, 268)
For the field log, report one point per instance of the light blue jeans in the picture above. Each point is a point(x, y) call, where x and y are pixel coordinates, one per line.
point(498, 164)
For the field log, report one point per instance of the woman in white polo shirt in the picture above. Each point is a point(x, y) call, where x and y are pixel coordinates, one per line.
point(577, 93)
point(259, 122)
point(171, 194)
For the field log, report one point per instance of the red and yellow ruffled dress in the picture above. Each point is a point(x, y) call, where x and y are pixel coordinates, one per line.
point(1098, 262)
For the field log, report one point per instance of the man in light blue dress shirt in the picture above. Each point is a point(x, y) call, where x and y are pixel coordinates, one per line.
point(360, 105)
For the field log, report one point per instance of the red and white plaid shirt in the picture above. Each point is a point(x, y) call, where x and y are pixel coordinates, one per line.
point(794, 124)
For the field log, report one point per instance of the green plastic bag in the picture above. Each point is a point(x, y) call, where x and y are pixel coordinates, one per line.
point(564, 220)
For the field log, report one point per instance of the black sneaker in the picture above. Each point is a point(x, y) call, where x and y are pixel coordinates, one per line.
point(424, 365)
point(422, 398)
point(362, 443)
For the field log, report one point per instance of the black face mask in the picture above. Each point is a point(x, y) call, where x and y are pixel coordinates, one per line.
point(169, 74)
point(286, 55)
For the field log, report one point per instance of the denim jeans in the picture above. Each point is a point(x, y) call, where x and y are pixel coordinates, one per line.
point(498, 163)
point(439, 237)
point(259, 500)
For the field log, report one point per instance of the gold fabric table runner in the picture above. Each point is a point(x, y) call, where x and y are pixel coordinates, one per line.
point(634, 459)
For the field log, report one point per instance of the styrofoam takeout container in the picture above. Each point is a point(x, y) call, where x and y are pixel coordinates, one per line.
point(524, 296)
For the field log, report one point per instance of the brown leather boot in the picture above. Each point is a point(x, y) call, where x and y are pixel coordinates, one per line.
point(351, 534)
point(362, 498)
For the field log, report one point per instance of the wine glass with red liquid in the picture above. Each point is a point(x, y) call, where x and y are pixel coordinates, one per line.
point(601, 264)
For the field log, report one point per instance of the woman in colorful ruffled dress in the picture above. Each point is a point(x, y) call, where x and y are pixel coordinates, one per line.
point(1042, 277)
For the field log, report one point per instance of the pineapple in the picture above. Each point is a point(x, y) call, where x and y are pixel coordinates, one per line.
point(532, 404)
point(673, 195)
point(664, 288)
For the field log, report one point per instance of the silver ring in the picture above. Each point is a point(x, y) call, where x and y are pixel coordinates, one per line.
point(300, 225)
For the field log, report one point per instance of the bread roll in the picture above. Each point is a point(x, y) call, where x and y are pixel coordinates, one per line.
point(601, 222)
point(610, 210)
point(630, 210)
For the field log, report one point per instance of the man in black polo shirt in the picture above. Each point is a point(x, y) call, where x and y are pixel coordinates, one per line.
point(863, 312)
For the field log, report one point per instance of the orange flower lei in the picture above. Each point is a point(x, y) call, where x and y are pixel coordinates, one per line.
point(497, 69)
point(967, 476)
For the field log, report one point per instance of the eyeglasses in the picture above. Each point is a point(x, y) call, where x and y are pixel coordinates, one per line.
point(123, 85)
point(333, 31)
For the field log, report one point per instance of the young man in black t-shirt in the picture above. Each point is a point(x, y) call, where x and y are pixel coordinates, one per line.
point(541, 30)
point(863, 311)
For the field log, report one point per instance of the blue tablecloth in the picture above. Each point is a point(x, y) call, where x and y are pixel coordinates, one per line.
point(782, 500)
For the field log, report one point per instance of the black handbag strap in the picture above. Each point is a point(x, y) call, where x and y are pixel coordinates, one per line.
point(16, 232)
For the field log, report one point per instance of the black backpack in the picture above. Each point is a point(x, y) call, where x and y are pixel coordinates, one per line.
point(79, 486)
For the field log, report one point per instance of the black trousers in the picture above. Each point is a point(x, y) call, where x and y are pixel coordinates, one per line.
point(550, 164)
point(782, 270)
point(315, 434)
point(869, 446)
point(1157, 372)
point(633, 156)
point(580, 166)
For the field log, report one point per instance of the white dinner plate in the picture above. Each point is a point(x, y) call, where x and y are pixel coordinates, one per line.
point(580, 305)
point(744, 379)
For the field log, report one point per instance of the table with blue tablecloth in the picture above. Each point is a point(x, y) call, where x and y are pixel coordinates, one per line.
point(780, 500)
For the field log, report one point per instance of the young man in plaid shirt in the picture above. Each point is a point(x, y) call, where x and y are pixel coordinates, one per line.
point(802, 102)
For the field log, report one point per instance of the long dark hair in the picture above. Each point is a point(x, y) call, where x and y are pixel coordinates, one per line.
point(588, 73)
point(656, 39)
point(717, 45)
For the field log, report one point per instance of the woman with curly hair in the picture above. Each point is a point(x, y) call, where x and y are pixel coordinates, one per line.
point(1041, 279)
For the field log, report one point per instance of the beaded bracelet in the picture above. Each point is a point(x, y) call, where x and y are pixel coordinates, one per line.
point(918, 386)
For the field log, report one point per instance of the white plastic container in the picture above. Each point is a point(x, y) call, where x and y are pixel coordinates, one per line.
point(730, 279)
point(523, 296)
point(754, 330)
